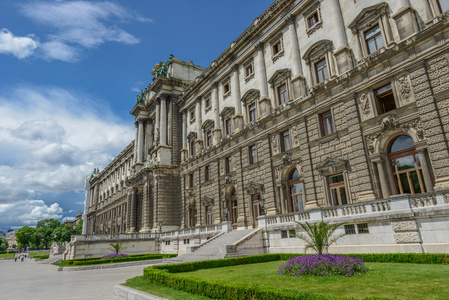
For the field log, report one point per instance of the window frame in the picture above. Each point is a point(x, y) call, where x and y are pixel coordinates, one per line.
point(252, 113)
point(323, 70)
point(327, 122)
point(283, 96)
point(228, 126)
point(252, 152)
point(228, 164)
point(191, 179)
point(209, 141)
point(208, 104)
point(207, 173)
point(379, 96)
point(373, 38)
point(338, 186)
point(285, 137)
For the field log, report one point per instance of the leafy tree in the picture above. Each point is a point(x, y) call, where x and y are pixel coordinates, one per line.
point(318, 236)
point(63, 233)
point(24, 236)
point(79, 227)
point(45, 229)
point(3, 244)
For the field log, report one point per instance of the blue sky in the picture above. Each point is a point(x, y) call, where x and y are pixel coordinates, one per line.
point(69, 75)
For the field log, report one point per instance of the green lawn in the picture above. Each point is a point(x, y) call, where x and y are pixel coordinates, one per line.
point(7, 255)
point(392, 280)
point(141, 284)
point(38, 253)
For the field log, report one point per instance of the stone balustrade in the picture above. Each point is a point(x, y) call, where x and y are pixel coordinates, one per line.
point(397, 203)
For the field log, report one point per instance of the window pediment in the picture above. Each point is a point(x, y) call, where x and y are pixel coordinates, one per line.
point(208, 124)
point(332, 165)
point(192, 135)
point(227, 112)
point(254, 187)
point(368, 17)
point(280, 76)
point(251, 96)
point(317, 51)
point(207, 200)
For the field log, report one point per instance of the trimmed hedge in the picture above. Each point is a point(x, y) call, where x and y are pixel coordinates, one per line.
point(98, 260)
point(41, 257)
point(166, 275)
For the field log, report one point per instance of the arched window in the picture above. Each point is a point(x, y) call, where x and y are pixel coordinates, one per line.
point(296, 191)
point(405, 166)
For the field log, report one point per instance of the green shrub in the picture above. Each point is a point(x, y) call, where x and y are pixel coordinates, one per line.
point(166, 275)
point(98, 260)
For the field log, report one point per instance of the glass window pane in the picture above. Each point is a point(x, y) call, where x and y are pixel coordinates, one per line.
point(296, 203)
point(294, 174)
point(415, 182)
point(379, 41)
point(343, 196)
point(404, 183)
point(334, 196)
point(301, 202)
point(405, 163)
point(403, 142)
point(372, 32)
point(371, 46)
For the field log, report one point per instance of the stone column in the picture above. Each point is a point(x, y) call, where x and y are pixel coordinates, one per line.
point(296, 55)
point(136, 139)
point(425, 169)
point(342, 51)
point(265, 104)
point(141, 140)
point(216, 133)
point(236, 99)
point(157, 129)
point(133, 212)
point(199, 119)
point(379, 161)
point(163, 120)
point(145, 209)
point(184, 151)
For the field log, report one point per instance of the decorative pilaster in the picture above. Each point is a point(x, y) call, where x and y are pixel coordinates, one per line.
point(236, 99)
point(141, 140)
point(379, 162)
point(163, 120)
point(298, 80)
point(216, 132)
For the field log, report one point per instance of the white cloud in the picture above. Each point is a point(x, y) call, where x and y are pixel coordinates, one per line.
point(50, 142)
point(28, 212)
point(82, 23)
point(20, 47)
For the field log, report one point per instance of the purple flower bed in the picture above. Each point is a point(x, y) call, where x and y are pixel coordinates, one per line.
point(113, 255)
point(323, 265)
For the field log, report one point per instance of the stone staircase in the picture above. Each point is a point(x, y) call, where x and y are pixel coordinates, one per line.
point(222, 246)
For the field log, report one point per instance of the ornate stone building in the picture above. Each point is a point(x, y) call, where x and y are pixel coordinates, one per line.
point(333, 110)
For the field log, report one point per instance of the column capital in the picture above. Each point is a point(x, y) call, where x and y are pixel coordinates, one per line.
point(214, 85)
point(235, 67)
point(290, 19)
point(141, 119)
point(164, 97)
point(378, 158)
point(259, 46)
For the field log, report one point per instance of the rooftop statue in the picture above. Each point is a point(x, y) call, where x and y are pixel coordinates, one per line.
point(161, 68)
point(141, 98)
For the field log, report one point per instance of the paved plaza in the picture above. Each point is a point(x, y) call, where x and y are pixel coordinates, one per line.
point(32, 280)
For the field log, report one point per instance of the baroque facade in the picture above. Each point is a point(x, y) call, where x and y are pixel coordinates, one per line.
point(333, 110)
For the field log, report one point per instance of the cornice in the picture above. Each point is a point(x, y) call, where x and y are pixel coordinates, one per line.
point(258, 25)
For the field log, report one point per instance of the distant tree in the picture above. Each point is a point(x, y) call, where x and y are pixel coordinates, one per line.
point(63, 233)
point(79, 228)
point(3, 244)
point(318, 236)
point(45, 229)
point(24, 236)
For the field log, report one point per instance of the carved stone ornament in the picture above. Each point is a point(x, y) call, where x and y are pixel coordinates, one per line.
point(404, 89)
point(286, 159)
point(277, 173)
point(364, 104)
point(275, 143)
point(295, 133)
point(228, 180)
point(389, 123)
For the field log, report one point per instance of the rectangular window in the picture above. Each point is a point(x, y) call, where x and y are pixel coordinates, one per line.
point(208, 138)
point(192, 115)
point(282, 94)
point(362, 228)
point(321, 71)
point(252, 154)
point(442, 5)
point(249, 70)
point(208, 103)
point(228, 164)
point(277, 47)
point(373, 38)
point(337, 189)
point(284, 234)
point(228, 126)
point(385, 99)
point(191, 180)
point(167, 243)
point(327, 123)
point(207, 173)
point(192, 148)
point(209, 219)
point(350, 229)
point(186, 241)
point(312, 20)
point(226, 88)
point(285, 141)
point(252, 112)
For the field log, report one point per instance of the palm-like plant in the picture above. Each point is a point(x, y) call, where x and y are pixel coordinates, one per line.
point(117, 248)
point(318, 236)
